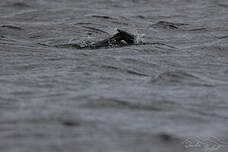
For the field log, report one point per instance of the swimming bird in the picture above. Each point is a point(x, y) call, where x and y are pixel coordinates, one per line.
point(121, 38)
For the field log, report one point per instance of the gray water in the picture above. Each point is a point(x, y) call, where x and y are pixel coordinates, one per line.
point(139, 98)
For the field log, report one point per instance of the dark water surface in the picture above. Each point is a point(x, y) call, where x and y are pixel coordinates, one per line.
point(140, 98)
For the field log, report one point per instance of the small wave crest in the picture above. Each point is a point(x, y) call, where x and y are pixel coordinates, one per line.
point(180, 77)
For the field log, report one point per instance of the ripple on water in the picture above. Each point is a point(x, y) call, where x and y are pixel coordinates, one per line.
point(180, 78)
point(114, 103)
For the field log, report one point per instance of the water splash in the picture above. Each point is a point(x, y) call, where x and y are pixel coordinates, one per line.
point(139, 38)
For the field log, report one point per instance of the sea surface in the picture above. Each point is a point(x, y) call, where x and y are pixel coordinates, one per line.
point(169, 95)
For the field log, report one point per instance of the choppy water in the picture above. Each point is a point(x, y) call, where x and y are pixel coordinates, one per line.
point(147, 98)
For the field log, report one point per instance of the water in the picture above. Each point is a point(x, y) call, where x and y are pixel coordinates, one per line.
point(135, 98)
